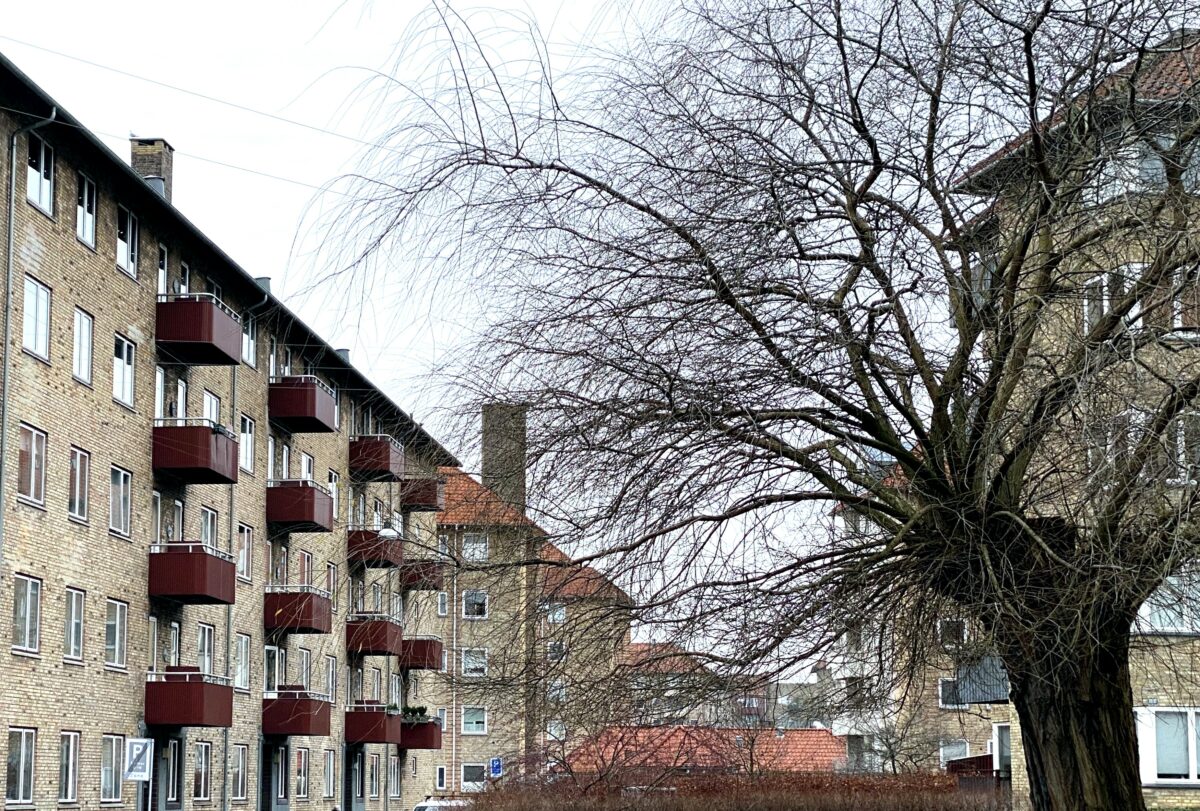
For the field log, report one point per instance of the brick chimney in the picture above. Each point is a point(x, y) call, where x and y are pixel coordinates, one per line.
point(504, 451)
point(153, 158)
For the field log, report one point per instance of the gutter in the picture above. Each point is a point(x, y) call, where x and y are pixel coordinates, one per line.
point(5, 377)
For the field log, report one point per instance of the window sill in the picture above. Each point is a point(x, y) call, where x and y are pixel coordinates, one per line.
point(132, 274)
point(82, 382)
point(91, 246)
point(1173, 784)
point(117, 669)
point(28, 502)
point(127, 406)
point(78, 521)
point(73, 662)
point(38, 208)
point(31, 354)
point(26, 653)
point(123, 536)
point(245, 580)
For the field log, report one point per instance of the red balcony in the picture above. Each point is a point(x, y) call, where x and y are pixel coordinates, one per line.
point(192, 573)
point(292, 710)
point(372, 723)
point(374, 635)
point(421, 575)
point(421, 653)
point(195, 451)
point(299, 505)
point(374, 548)
point(297, 610)
point(197, 329)
point(185, 697)
point(376, 458)
point(421, 734)
point(301, 404)
point(423, 495)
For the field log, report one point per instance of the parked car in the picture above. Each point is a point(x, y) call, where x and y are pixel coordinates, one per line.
point(440, 803)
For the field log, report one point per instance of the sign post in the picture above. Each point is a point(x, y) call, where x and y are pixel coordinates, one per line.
point(497, 767)
point(139, 759)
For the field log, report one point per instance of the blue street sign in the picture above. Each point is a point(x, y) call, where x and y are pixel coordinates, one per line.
point(497, 767)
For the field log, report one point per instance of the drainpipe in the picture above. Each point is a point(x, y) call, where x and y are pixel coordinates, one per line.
point(455, 773)
point(8, 308)
point(231, 527)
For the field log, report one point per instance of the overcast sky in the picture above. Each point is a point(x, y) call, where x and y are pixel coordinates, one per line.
point(302, 61)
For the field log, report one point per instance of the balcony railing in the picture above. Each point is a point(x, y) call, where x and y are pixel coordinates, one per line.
point(302, 404)
point(197, 329)
point(373, 723)
point(374, 634)
point(185, 697)
point(293, 710)
point(299, 505)
point(376, 457)
point(423, 495)
point(426, 734)
point(421, 653)
point(422, 575)
point(375, 548)
point(192, 573)
point(195, 451)
point(297, 609)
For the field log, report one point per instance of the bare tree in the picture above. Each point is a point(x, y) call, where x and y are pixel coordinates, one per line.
point(924, 262)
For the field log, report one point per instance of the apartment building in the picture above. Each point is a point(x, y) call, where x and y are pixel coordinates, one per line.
point(530, 650)
point(210, 521)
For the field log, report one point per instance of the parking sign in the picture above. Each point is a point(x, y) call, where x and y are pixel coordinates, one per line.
point(497, 767)
point(139, 759)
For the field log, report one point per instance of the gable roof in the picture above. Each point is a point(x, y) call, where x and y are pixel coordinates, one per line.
point(1166, 71)
point(699, 749)
point(661, 657)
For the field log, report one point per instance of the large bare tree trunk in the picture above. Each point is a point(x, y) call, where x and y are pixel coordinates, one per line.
point(1079, 735)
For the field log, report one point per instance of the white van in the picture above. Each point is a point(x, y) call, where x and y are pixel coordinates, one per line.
point(440, 803)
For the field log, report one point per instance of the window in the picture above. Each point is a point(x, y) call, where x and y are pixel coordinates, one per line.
point(1001, 744)
point(36, 330)
point(441, 716)
point(211, 408)
point(373, 777)
point(285, 460)
point(337, 408)
point(475, 604)
point(120, 494)
point(474, 776)
point(377, 598)
point(556, 692)
point(1182, 438)
point(1104, 291)
point(127, 241)
point(122, 388)
point(185, 278)
point(948, 697)
point(152, 641)
point(951, 633)
point(176, 520)
point(21, 746)
point(474, 721)
point(202, 776)
point(246, 444)
point(181, 400)
point(334, 478)
point(301, 772)
point(304, 677)
point(39, 177)
point(376, 684)
point(77, 497)
point(274, 668)
point(329, 780)
point(397, 693)
point(174, 771)
point(556, 613)
point(952, 750)
point(474, 662)
point(27, 613)
point(115, 618)
point(441, 778)
point(241, 668)
point(331, 584)
point(173, 638)
point(85, 210)
point(443, 604)
point(31, 465)
point(208, 526)
point(68, 767)
point(249, 340)
point(73, 625)
point(394, 775)
point(556, 730)
point(304, 575)
point(112, 753)
point(238, 771)
point(205, 634)
point(162, 269)
point(556, 651)
point(245, 551)
point(81, 363)
point(156, 522)
point(280, 772)
point(331, 676)
point(270, 457)
point(279, 564)
point(475, 546)
point(306, 466)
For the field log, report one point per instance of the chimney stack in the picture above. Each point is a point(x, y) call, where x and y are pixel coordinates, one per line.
point(504, 451)
point(153, 158)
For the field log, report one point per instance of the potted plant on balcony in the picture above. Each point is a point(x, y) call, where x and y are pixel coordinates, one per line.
point(414, 715)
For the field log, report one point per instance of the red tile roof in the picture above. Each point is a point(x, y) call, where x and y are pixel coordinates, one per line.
point(1158, 76)
point(697, 749)
point(661, 657)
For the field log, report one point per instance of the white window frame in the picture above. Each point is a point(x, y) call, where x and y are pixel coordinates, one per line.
point(68, 767)
point(35, 324)
point(206, 648)
point(246, 429)
point(32, 488)
point(241, 762)
point(86, 201)
point(329, 776)
point(249, 341)
point(241, 669)
point(468, 653)
point(475, 547)
point(174, 769)
point(120, 501)
point(209, 527)
point(116, 615)
point(245, 552)
point(441, 778)
point(124, 370)
point(373, 777)
point(274, 667)
point(472, 786)
point(74, 622)
point(556, 613)
point(211, 407)
point(127, 246)
point(304, 677)
point(39, 180)
point(476, 728)
point(331, 677)
point(486, 604)
point(26, 745)
point(942, 704)
point(112, 776)
point(302, 772)
point(164, 266)
point(202, 771)
point(30, 589)
point(79, 476)
point(443, 604)
point(945, 742)
point(84, 337)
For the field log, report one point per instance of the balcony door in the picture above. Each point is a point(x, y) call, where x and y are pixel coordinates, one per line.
point(273, 780)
